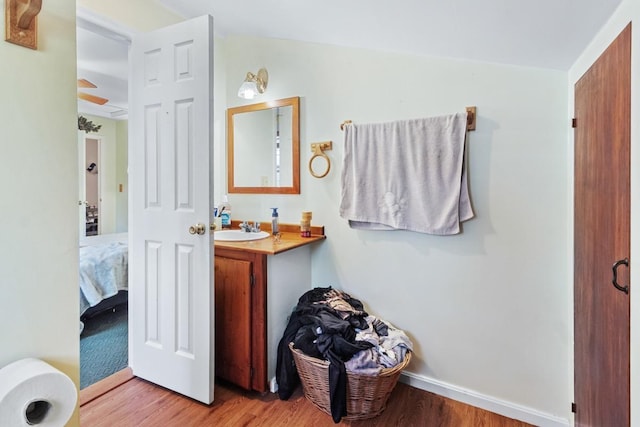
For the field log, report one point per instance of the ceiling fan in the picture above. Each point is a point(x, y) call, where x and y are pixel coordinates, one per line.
point(86, 84)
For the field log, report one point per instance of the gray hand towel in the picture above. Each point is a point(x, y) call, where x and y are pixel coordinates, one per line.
point(406, 175)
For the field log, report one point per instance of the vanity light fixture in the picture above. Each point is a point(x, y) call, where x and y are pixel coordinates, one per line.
point(254, 84)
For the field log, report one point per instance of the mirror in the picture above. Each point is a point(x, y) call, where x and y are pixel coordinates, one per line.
point(263, 147)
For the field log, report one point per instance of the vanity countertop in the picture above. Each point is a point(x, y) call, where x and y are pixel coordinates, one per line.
point(289, 239)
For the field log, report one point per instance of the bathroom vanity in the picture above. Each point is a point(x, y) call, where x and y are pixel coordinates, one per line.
point(257, 285)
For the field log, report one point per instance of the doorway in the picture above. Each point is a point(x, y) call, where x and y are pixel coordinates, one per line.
point(102, 64)
point(91, 176)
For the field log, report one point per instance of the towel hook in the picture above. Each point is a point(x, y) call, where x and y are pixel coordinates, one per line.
point(318, 151)
point(471, 118)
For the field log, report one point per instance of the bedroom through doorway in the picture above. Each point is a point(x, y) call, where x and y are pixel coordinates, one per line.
point(102, 70)
point(90, 177)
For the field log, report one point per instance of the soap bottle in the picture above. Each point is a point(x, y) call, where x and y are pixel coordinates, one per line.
point(225, 212)
point(274, 221)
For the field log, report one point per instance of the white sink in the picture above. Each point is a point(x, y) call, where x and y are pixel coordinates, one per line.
point(238, 235)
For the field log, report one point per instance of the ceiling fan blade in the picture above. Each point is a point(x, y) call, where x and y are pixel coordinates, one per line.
point(86, 84)
point(92, 98)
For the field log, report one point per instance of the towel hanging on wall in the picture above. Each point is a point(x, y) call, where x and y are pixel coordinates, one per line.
point(406, 175)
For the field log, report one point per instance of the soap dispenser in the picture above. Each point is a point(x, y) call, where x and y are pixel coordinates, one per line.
point(224, 211)
point(274, 221)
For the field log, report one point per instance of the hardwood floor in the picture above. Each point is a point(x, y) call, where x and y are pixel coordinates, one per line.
point(138, 403)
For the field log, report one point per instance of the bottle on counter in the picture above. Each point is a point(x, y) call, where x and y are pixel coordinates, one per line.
point(274, 221)
point(305, 225)
point(224, 212)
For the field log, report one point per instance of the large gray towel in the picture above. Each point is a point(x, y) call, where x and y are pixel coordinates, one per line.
point(406, 175)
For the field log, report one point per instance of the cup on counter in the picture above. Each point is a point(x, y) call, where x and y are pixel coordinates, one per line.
point(217, 221)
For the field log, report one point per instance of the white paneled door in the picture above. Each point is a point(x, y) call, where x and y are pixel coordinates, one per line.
point(170, 280)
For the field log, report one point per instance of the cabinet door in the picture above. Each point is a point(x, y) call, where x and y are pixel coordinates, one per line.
point(233, 320)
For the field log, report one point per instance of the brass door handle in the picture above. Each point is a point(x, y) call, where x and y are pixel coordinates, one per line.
point(197, 229)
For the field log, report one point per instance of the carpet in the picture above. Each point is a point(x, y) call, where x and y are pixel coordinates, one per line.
point(104, 347)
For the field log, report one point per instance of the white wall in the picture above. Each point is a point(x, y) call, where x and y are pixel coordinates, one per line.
point(219, 175)
point(487, 309)
point(628, 11)
point(38, 208)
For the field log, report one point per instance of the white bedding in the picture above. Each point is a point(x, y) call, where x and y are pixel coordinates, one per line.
point(102, 239)
point(103, 270)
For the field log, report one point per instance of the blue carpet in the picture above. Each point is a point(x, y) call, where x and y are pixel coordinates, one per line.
point(104, 347)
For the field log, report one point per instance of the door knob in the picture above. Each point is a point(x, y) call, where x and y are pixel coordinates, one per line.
point(198, 229)
point(617, 264)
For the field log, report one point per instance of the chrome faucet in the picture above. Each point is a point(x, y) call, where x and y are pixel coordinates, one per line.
point(250, 228)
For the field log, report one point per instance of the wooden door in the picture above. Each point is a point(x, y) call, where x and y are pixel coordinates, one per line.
point(170, 286)
point(601, 238)
point(233, 320)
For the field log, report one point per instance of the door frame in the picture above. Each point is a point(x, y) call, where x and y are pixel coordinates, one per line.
point(98, 24)
point(83, 174)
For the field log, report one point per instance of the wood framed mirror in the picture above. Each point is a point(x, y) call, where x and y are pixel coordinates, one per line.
point(263, 147)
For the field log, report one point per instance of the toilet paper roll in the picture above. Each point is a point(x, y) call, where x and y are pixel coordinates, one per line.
point(34, 393)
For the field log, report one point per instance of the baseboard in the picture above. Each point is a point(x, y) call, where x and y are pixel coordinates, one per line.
point(105, 385)
point(488, 403)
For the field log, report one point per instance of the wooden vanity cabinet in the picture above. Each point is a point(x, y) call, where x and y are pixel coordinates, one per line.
point(249, 322)
point(240, 318)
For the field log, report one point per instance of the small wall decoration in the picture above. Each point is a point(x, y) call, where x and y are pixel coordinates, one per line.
point(87, 125)
point(20, 22)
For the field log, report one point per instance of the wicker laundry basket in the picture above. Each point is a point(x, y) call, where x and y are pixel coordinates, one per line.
point(367, 395)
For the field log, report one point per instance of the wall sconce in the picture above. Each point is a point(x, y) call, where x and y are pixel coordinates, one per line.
point(20, 22)
point(254, 84)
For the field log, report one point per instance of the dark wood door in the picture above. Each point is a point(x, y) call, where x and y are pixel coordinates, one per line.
point(233, 320)
point(602, 227)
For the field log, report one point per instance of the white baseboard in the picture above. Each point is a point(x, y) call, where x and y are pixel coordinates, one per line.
point(273, 385)
point(508, 409)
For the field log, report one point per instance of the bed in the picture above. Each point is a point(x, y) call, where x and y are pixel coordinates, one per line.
point(103, 272)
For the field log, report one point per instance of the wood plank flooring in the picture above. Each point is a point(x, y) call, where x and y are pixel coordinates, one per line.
point(138, 403)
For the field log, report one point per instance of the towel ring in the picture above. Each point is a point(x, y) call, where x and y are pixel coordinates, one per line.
point(318, 151)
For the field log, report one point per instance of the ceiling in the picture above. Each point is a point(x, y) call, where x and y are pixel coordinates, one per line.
point(104, 62)
point(543, 33)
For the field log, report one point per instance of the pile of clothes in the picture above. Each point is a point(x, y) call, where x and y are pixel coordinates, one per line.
point(329, 324)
